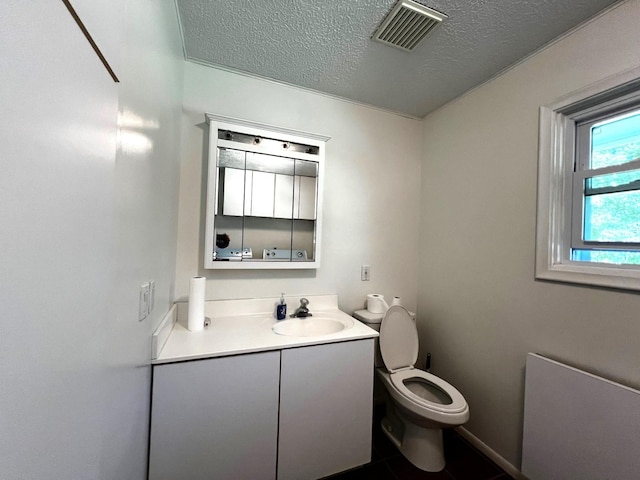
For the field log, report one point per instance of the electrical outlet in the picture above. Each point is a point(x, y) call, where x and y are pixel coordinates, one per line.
point(364, 273)
point(143, 304)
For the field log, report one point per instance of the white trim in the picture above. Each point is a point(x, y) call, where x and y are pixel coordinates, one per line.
point(564, 103)
point(555, 172)
point(494, 456)
point(258, 128)
point(180, 30)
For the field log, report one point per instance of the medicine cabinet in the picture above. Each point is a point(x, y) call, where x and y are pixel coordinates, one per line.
point(264, 196)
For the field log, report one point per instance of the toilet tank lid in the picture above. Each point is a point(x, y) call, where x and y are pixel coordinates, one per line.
point(366, 316)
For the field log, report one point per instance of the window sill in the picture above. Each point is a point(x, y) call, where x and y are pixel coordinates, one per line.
point(614, 276)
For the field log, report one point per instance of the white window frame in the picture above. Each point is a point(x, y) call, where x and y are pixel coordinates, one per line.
point(556, 157)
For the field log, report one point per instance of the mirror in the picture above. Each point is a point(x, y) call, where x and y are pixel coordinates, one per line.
point(264, 193)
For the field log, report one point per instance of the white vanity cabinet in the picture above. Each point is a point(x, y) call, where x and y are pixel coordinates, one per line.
point(326, 407)
point(215, 418)
point(294, 414)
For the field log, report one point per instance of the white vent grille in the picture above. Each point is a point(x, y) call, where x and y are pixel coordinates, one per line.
point(407, 25)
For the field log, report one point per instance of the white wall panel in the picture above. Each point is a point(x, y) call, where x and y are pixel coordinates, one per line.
point(578, 425)
point(145, 215)
point(75, 390)
point(57, 151)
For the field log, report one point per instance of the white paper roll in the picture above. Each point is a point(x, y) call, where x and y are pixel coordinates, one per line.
point(195, 321)
point(396, 301)
point(376, 303)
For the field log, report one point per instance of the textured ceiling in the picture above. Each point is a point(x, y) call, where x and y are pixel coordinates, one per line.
point(325, 45)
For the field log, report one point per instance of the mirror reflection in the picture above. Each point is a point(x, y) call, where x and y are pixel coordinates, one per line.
point(266, 200)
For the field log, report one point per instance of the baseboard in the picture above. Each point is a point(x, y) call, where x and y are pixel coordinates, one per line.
point(492, 454)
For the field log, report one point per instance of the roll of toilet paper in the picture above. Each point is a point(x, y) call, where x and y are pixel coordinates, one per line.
point(396, 301)
point(195, 320)
point(376, 303)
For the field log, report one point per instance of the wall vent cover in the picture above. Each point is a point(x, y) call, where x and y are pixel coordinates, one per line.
point(407, 25)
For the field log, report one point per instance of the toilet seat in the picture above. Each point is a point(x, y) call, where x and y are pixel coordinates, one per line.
point(399, 349)
point(458, 403)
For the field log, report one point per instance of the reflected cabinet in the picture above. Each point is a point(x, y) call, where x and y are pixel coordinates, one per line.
point(264, 196)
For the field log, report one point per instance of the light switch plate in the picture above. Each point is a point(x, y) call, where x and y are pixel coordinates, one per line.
point(152, 296)
point(143, 305)
point(365, 273)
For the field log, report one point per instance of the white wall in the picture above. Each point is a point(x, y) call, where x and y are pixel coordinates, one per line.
point(371, 190)
point(145, 207)
point(85, 220)
point(480, 308)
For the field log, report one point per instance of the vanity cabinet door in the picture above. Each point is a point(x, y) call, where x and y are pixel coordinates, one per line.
point(326, 407)
point(215, 418)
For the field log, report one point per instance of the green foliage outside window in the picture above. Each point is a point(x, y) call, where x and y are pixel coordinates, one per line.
point(613, 216)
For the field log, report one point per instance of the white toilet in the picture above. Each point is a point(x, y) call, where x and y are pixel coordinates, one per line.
point(421, 404)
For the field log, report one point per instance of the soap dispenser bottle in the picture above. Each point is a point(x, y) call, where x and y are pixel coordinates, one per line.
point(281, 309)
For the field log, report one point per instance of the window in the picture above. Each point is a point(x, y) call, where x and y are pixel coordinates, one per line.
point(606, 189)
point(588, 225)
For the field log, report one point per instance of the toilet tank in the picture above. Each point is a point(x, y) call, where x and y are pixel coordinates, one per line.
point(372, 320)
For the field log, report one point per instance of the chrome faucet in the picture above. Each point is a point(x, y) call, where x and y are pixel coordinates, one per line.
point(302, 311)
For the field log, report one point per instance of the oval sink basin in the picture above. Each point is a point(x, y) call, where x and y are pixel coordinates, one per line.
point(308, 327)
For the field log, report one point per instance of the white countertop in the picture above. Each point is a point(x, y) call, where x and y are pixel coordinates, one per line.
point(245, 326)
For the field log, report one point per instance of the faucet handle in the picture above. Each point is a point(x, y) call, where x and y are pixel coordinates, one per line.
point(304, 302)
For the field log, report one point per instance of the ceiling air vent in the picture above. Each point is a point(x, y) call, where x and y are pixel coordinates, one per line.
point(407, 25)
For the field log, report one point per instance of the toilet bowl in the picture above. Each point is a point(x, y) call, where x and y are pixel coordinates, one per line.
point(420, 404)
